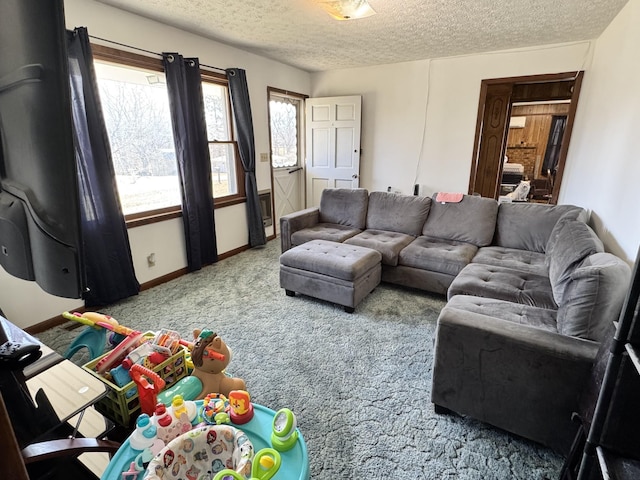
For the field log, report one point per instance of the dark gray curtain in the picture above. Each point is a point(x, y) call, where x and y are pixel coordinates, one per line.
point(184, 86)
point(108, 265)
point(244, 127)
point(554, 143)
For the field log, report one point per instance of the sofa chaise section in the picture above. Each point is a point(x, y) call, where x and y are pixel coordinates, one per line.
point(506, 370)
point(521, 367)
point(516, 356)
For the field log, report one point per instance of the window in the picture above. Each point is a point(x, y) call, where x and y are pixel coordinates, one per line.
point(136, 112)
point(223, 149)
point(135, 106)
point(284, 113)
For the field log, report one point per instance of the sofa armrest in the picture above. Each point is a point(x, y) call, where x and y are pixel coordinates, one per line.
point(296, 221)
point(519, 378)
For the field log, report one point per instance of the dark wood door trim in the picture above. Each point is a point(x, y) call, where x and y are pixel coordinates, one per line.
point(476, 141)
point(542, 78)
point(495, 119)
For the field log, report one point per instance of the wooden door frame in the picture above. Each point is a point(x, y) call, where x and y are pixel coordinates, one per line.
point(576, 77)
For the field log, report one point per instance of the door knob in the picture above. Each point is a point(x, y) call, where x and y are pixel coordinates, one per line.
point(355, 175)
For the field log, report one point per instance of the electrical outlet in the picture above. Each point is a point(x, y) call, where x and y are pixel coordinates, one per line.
point(264, 157)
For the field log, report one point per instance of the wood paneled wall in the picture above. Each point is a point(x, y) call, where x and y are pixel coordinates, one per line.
point(527, 145)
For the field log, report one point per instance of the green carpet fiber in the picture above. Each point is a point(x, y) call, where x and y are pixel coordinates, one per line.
point(359, 383)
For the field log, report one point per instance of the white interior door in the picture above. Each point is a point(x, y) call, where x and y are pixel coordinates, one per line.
point(333, 144)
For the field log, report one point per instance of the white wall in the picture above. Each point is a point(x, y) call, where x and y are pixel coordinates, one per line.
point(603, 163)
point(25, 303)
point(164, 239)
point(399, 149)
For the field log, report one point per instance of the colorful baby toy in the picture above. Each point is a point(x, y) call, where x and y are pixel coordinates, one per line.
point(284, 434)
point(210, 356)
point(241, 409)
point(147, 390)
point(223, 452)
point(266, 463)
point(214, 406)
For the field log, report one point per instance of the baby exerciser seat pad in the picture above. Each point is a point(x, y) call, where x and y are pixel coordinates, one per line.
point(201, 453)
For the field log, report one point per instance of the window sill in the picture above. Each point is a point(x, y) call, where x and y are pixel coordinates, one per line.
point(152, 217)
point(227, 202)
point(139, 220)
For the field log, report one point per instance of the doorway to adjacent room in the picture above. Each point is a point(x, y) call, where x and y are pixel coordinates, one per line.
point(497, 100)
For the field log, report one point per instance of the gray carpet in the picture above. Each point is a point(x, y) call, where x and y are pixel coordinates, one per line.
point(359, 383)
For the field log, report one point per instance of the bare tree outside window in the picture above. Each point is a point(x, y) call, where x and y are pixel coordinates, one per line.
point(136, 112)
point(221, 144)
point(284, 133)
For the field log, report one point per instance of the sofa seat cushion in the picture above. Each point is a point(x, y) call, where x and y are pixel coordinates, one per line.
point(443, 256)
point(397, 213)
point(543, 318)
point(570, 243)
point(344, 206)
point(527, 226)
point(472, 220)
point(389, 244)
point(594, 296)
point(524, 260)
point(502, 283)
point(337, 260)
point(323, 231)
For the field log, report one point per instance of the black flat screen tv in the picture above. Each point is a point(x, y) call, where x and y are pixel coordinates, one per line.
point(39, 205)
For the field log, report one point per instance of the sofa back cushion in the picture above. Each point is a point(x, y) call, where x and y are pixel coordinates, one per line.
point(397, 213)
point(594, 296)
point(570, 242)
point(527, 226)
point(344, 206)
point(472, 220)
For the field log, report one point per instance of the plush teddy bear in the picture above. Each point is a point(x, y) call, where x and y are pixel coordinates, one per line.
point(210, 357)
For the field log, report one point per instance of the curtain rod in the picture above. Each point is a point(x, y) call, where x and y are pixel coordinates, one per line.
point(149, 51)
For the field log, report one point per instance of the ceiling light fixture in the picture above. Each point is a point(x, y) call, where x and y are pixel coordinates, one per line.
point(347, 9)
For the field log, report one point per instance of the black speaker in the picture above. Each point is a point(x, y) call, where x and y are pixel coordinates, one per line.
point(416, 187)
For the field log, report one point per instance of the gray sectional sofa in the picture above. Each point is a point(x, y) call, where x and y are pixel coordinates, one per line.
point(531, 294)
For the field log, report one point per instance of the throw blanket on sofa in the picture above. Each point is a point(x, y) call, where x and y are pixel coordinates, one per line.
point(444, 197)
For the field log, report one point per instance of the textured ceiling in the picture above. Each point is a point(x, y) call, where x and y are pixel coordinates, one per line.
point(300, 33)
